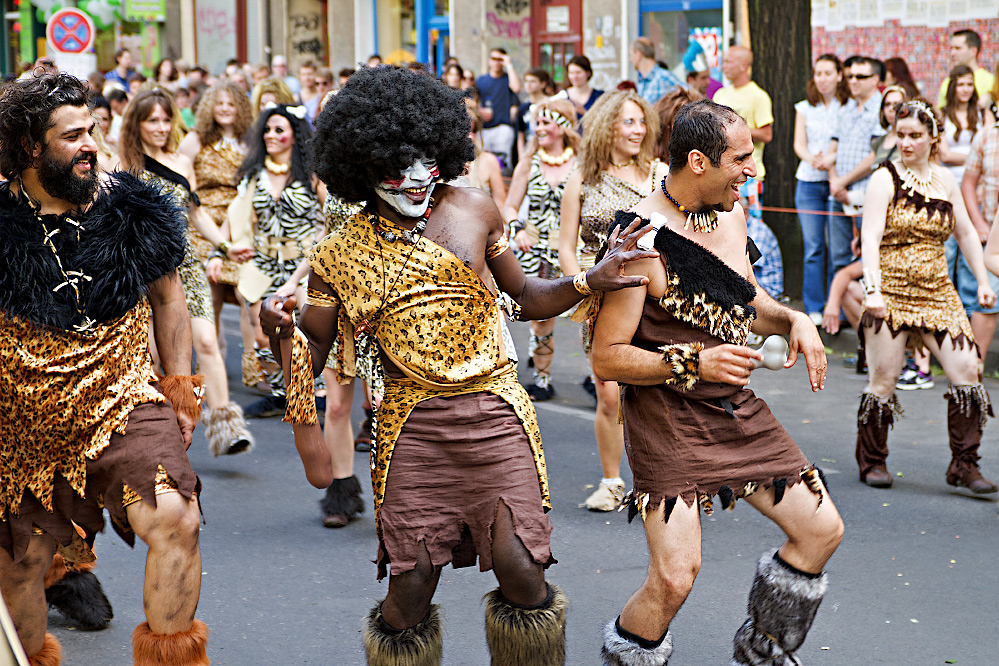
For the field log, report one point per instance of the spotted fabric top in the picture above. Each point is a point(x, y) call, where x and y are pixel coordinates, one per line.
point(215, 169)
point(62, 395)
point(599, 202)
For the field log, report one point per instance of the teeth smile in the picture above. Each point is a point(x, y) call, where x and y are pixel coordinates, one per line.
point(415, 190)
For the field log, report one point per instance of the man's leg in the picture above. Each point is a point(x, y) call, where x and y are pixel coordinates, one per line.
point(525, 617)
point(641, 634)
point(23, 587)
point(406, 627)
point(790, 584)
point(170, 636)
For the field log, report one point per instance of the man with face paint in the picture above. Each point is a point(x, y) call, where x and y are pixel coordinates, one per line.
point(405, 294)
point(83, 267)
point(692, 428)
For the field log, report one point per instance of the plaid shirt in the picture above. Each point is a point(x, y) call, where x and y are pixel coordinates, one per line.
point(854, 130)
point(769, 270)
point(659, 82)
point(984, 158)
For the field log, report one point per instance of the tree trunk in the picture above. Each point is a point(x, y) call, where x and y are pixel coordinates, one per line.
point(781, 35)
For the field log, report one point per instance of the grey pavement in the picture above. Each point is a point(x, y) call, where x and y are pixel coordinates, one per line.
point(914, 583)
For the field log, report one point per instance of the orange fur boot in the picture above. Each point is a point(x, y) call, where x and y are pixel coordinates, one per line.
point(186, 648)
point(49, 655)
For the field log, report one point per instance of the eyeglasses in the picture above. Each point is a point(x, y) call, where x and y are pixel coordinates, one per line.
point(859, 77)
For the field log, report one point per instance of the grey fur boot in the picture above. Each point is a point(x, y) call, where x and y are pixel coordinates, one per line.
point(225, 430)
point(782, 605)
point(621, 650)
point(519, 636)
point(421, 645)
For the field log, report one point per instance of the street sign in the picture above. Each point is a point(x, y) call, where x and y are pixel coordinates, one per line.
point(70, 31)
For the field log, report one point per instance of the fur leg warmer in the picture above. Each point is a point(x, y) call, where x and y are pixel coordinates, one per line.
point(49, 655)
point(226, 431)
point(81, 599)
point(343, 498)
point(620, 650)
point(421, 645)
point(782, 605)
point(532, 636)
point(186, 648)
point(874, 419)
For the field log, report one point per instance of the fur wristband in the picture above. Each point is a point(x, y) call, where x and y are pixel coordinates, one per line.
point(683, 361)
point(184, 393)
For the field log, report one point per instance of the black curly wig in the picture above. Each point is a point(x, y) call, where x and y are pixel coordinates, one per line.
point(26, 108)
point(383, 120)
point(256, 151)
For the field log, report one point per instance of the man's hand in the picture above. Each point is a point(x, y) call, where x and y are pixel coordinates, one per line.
point(186, 429)
point(805, 339)
point(276, 316)
point(608, 275)
point(727, 364)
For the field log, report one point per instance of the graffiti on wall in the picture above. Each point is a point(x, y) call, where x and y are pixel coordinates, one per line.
point(508, 26)
point(305, 39)
point(216, 32)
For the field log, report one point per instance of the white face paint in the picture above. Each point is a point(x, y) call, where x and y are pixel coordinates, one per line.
point(409, 195)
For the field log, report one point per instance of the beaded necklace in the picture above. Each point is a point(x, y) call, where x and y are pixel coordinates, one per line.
point(555, 160)
point(274, 167)
point(407, 235)
point(703, 222)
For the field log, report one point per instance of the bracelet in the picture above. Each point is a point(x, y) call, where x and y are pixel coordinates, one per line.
point(225, 246)
point(579, 282)
point(215, 255)
point(683, 361)
point(185, 394)
point(871, 280)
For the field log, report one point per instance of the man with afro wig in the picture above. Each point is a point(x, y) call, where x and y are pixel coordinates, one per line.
point(405, 293)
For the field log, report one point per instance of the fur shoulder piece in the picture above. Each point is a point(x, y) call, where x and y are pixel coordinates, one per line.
point(698, 270)
point(135, 234)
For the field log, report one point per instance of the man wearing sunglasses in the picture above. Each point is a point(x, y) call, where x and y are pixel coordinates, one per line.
point(850, 155)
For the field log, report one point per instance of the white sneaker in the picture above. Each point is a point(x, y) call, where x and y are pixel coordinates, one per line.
point(606, 497)
point(816, 318)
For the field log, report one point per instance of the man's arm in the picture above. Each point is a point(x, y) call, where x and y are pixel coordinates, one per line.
point(969, 190)
point(764, 134)
point(172, 332)
point(319, 324)
point(511, 74)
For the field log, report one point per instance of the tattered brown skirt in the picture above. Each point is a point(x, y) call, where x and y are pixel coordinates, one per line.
point(455, 460)
point(134, 465)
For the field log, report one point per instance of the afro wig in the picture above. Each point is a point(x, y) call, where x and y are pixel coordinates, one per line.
point(383, 120)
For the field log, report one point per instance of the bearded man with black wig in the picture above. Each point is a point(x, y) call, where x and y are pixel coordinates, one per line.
point(84, 263)
point(693, 430)
point(403, 289)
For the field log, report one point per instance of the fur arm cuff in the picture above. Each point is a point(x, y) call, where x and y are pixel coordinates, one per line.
point(184, 393)
point(683, 361)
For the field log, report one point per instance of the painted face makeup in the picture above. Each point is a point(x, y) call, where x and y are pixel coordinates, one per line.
point(410, 194)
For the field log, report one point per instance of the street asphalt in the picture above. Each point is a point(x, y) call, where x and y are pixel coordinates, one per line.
point(914, 582)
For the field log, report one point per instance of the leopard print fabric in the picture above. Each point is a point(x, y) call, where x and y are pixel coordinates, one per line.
point(699, 311)
point(62, 395)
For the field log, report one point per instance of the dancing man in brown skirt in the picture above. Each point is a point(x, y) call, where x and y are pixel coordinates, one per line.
point(692, 429)
point(403, 293)
point(83, 265)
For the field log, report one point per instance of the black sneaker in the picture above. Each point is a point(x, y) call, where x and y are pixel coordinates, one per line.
point(266, 407)
point(590, 387)
point(540, 394)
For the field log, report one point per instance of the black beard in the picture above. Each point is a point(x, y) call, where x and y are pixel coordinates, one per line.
point(59, 181)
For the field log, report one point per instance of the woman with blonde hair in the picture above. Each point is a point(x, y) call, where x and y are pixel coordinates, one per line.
point(215, 146)
point(540, 177)
point(150, 135)
point(617, 168)
point(270, 91)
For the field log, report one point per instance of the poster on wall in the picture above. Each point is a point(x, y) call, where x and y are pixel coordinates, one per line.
point(820, 13)
point(215, 32)
point(848, 11)
point(868, 15)
point(834, 16)
point(938, 15)
point(916, 12)
point(958, 10)
point(892, 9)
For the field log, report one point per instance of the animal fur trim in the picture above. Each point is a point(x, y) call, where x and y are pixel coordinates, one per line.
point(968, 397)
point(683, 361)
point(185, 648)
point(49, 655)
point(886, 409)
point(421, 645)
point(184, 393)
point(81, 599)
point(343, 498)
point(226, 431)
point(132, 236)
point(619, 651)
point(526, 636)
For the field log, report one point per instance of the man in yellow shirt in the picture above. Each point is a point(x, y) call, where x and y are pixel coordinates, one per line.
point(965, 45)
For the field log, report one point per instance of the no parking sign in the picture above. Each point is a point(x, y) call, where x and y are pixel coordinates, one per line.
point(70, 31)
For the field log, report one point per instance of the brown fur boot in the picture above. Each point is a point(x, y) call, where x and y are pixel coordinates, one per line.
point(253, 372)
point(225, 430)
point(49, 655)
point(185, 648)
point(533, 636)
point(421, 645)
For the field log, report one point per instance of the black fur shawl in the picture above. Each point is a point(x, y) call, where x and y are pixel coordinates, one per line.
point(133, 235)
point(698, 270)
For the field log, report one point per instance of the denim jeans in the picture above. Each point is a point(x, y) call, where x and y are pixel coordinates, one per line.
point(814, 196)
point(840, 237)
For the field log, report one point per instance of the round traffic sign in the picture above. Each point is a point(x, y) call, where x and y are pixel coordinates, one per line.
point(70, 31)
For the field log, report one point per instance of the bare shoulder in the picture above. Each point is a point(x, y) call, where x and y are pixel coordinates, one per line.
point(471, 207)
